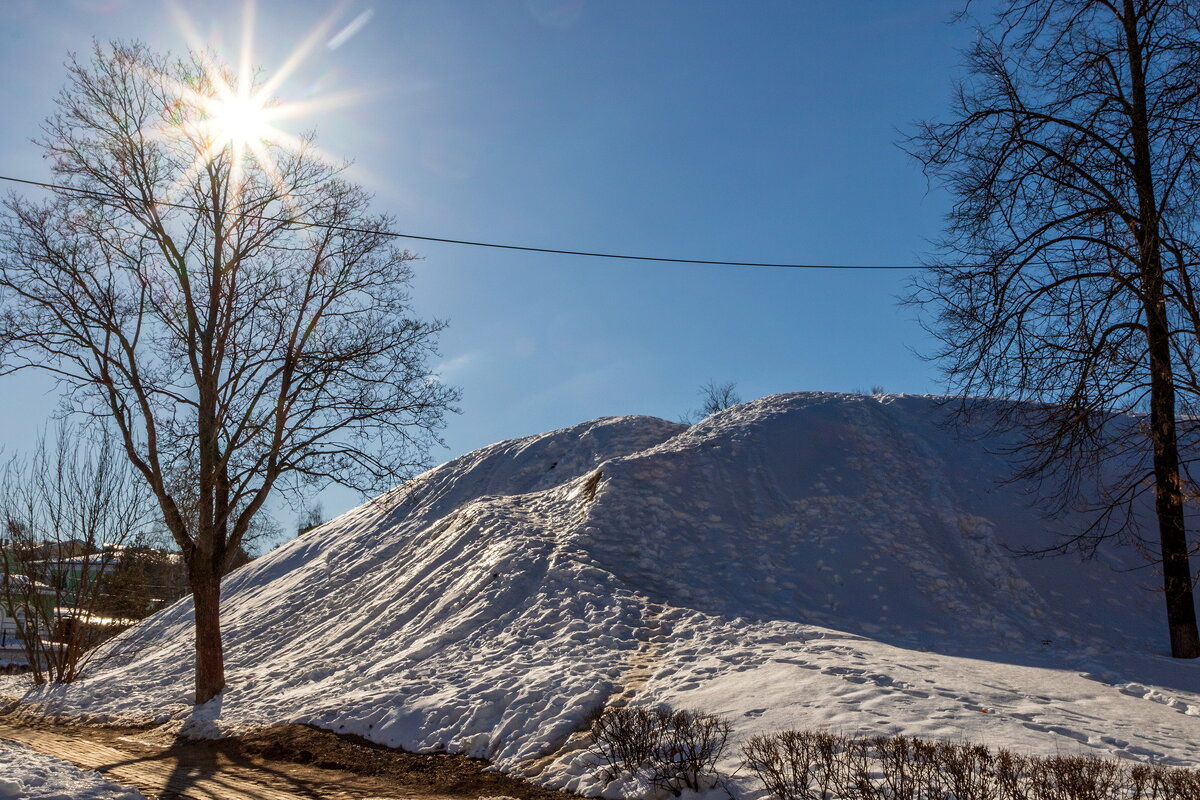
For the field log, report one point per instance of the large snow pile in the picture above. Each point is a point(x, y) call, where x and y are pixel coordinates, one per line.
point(30, 775)
point(805, 560)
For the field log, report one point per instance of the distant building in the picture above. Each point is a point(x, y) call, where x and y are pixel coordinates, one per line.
point(19, 596)
point(50, 590)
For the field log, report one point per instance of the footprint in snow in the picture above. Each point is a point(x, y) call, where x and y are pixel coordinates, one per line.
point(1059, 729)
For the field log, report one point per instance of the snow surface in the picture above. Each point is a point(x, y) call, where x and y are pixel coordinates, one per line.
point(29, 775)
point(805, 560)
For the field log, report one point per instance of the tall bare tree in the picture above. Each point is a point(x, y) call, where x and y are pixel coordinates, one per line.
point(1066, 273)
point(226, 297)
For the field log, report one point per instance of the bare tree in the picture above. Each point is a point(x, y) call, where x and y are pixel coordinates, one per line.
point(718, 397)
point(226, 298)
point(1065, 279)
point(68, 513)
point(714, 397)
point(312, 515)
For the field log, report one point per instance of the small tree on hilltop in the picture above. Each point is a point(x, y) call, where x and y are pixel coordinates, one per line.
point(225, 296)
point(718, 397)
point(714, 397)
point(311, 517)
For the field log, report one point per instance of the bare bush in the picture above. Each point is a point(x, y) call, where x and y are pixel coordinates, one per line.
point(908, 768)
point(1072, 778)
point(68, 514)
point(664, 749)
point(1011, 774)
point(853, 775)
point(1178, 784)
point(805, 765)
point(789, 764)
point(816, 765)
point(967, 770)
point(718, 397)
point(688, 750)
point(625, 739)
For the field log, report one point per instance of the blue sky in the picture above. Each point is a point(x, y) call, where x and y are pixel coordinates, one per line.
point(761, 131)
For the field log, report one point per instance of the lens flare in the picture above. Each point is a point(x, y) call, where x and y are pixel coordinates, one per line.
point(240, 121)
point(237, 113)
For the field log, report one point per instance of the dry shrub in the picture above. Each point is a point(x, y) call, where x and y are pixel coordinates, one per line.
point(812, 765)
point(1156, 782)
point(1075, 778)
point(625, 739)
point(908, 768)
point(793, 765)
point(1183, 784)
point(853, 770)
point(967, 770)
point(1011, 773)
point(688, 752)
point(670, 750)
point(801, 765)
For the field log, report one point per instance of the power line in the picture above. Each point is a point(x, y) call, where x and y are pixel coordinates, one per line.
point(466, 242)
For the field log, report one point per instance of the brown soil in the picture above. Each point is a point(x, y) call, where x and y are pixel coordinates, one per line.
point(275, 763)
point(443, 774)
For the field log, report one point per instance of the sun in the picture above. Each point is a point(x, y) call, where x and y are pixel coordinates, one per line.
point(236, 124)
point(235, 112)
point(239, 120)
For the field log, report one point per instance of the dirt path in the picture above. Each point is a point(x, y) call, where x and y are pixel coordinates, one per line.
point(281, 763)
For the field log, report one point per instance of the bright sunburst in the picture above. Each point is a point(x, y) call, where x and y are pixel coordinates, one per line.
point(240, 116)
point(240, 121)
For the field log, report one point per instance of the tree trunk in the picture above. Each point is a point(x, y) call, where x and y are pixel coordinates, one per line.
point(210, 656)
point(1168, 484)
point(1168, 505)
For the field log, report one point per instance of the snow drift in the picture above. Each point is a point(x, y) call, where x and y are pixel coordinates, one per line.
point(805, 560)
point(30, 775)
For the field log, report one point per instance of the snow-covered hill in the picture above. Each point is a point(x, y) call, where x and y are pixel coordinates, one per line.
point(805, 560)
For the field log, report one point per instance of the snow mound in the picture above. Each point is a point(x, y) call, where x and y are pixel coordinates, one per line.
point(805, 560)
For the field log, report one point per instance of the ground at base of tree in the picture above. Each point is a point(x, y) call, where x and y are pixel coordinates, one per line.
point(278, 762)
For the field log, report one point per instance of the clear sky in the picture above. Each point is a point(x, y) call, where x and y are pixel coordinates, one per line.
point(709, 129)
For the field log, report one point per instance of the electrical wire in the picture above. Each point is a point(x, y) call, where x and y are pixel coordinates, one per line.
point(467, 242)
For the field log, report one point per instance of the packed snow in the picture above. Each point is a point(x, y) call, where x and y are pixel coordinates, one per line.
point(30, 775)
point(802, 561)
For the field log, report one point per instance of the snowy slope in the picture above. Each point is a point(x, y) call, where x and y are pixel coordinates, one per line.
point(803, 560)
